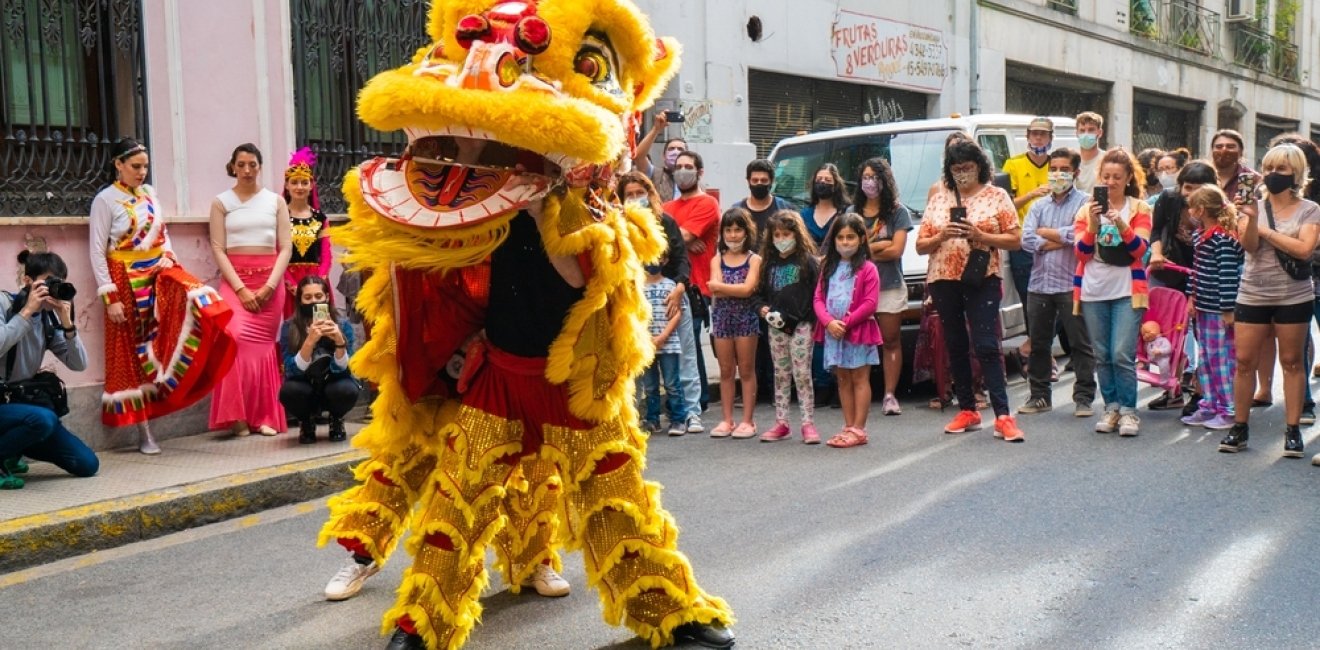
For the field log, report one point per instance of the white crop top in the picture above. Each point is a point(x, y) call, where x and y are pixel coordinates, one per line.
point(250, 223)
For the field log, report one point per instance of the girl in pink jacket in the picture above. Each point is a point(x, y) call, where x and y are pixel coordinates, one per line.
point(845, 303)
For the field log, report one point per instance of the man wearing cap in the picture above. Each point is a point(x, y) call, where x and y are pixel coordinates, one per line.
point(1029, 174)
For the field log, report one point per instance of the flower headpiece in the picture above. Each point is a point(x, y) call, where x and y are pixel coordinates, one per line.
point(300, 165)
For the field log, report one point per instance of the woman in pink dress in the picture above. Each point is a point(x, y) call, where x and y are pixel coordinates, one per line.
point(250, 238)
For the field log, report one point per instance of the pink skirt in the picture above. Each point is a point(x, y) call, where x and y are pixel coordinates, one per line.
point(251, 390)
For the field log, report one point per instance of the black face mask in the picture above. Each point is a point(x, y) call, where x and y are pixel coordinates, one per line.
point(824, 190)
point(1278, 183)
point(759, 192)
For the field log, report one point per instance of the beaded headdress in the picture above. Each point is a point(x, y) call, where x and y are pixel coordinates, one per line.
point(300, 165)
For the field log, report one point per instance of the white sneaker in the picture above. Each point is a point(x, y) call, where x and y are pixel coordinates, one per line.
point(694, 425)
point(547, 582)
point(1128, 424)
point(348, 582)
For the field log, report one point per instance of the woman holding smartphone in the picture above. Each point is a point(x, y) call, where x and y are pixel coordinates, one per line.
point(969, 214)
point(1110, 290)
point(316, 344)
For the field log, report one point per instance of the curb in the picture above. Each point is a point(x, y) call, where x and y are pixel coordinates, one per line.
point(39, 539)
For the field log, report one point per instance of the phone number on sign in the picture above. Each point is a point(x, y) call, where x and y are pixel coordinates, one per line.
point(926, 69)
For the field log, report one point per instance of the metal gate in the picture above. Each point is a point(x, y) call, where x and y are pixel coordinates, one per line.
point(783, 105)
point(338, 45)
point(72, 82)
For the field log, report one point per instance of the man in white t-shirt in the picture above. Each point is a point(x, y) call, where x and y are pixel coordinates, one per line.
point(1090, 128)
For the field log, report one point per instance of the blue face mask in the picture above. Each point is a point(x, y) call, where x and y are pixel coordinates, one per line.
point(641, 202)
point(652, 269)
point(1087, 140)
point(1039, 151)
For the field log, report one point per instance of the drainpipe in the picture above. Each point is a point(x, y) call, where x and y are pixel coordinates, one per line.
point(974, 56)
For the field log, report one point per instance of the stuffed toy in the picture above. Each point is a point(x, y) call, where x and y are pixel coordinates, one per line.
point(504, 297)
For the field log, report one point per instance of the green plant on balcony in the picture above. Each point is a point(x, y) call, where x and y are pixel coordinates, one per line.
point(1143, 19)
point(1285, 19)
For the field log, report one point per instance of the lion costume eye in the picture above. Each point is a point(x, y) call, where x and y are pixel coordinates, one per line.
point(596, 62)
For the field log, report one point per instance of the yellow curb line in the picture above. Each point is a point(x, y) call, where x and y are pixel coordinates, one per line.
point(137, 501)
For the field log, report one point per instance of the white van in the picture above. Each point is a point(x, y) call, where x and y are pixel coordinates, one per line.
point(914, 151)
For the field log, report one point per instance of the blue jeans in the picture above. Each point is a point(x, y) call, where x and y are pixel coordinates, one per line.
point(35, 432)
point(1113, 327)
point(688, 376)
point(665, 369)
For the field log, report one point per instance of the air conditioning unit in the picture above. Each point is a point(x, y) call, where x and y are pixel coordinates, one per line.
point(1240, 11)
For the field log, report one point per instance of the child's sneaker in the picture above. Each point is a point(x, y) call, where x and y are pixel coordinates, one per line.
point(809, 435)
point(779, 432)
point(1107, 422)
point(677, 427)
point(1128, 424)
point(9, 481)
point(651, 426)
point(963, 422)
point(1200, 417)
point(1219, 423)
point(15, 465)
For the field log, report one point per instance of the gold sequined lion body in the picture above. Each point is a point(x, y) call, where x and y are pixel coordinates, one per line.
point(516, 113)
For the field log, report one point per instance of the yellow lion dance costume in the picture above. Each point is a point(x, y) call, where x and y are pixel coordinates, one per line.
point(509, 325)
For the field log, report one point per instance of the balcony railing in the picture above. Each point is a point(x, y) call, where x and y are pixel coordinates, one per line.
point(1066, 6)
point(1181, 23)
point(1259, 50)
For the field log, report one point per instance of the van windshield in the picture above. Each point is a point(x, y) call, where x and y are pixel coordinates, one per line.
point(915, 156)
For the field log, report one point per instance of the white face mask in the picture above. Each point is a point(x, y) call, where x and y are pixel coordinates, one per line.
point(734, 246)
point(1061, 182)
point(785, 245)
point(1168, 181)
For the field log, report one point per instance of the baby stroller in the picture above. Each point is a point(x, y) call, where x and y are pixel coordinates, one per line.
point(1168, 308)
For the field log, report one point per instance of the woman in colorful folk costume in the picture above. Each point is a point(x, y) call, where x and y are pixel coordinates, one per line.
point(165, 338)
point(493, 256)
point(250, 242)
point(309, 229)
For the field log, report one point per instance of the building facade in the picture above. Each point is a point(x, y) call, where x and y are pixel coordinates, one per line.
point(1164, 73)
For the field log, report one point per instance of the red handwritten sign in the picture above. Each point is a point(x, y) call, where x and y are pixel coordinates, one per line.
point(870, 48)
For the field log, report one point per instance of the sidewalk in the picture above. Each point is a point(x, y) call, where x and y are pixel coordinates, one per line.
point(197, 480)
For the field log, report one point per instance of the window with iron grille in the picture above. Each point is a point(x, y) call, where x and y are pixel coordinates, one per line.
point(72, 82)
point(1066, 6)
point(338, 45)
point(1163, 122)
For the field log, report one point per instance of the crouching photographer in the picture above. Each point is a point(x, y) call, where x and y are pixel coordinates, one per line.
point(37, 319)
point(316, 345)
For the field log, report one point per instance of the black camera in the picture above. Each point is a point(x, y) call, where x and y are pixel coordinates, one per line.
point(59, 289)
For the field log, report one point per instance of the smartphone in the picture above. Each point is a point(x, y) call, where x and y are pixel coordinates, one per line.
point(321, 311)
point(958, 214)
point(1246, 190)
point(1101, 197)
point(674, 116)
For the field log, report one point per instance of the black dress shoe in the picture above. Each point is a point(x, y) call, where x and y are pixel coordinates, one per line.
point(403, 641)
point(712, 635)
point(337, 433)
point(306, 432)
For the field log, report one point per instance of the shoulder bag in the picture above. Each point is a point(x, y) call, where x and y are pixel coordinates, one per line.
point(1297, 269)
point(44, 389)
point(978, 259)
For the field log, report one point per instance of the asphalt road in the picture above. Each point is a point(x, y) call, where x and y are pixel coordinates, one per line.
point(918, 540)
